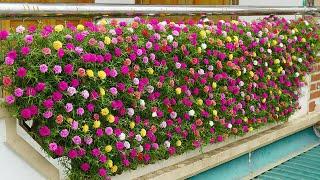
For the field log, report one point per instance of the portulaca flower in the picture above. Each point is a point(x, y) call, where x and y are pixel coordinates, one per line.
point(201, 71)
point(229, 125)
point(126, 144)
point(130, 111)
point(20, 29)
point(173, 115)
point(71, 91)
point(138, 137)
point(255, 62)
point(191, 112)
point(204, 46)
point(300, 60)
point(122, 136)
point(136, 81)
point(210, 68)
point(142, 102)
point(140, 148)
point(170, 38)
point(296, 74)
point(85, 94)
point(154, 114)
point(178, 65)
point(150, 89)
point(167, 144)
point(163, 124)
point(211, 123)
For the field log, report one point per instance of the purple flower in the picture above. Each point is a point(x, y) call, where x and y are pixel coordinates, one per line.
point(64, 133)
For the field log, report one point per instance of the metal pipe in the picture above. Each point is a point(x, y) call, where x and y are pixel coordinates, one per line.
point(20, 10)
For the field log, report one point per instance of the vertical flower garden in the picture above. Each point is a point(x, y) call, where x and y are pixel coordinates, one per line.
point(111, 96)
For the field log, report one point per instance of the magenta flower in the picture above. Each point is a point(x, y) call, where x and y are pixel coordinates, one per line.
point(10, 99)
point(21, 72)
point(44, 131)
point(53, 146)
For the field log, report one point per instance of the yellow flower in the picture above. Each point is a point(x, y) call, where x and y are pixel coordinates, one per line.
point(263, 100)
point(251, 74)
point(199, 102)
point(235, 38)
point(274, 42)
point(245, 119)
point(268, 77)
point(57, 45)
point(279, 92)
point(104, 111)
point(303, 40)
point(250, 128)
point(203, 34)
point(110, 163)
point(276, 61)
point(90, 73)
point(230, 56)
point(214, 85)
point(143, 132)
point(69, 120)
point(132, 124)
point(294, 58)
point(150, 70)
point(96, 124)
point(102, 74)
point(58, 28)
point(214, 112)
point(178, 143)
point(238, 73)
point(228, 39)
point(108, 148)
point(199, 50)
point(208, 31)
point(114, 168)
point(102, 91)
point(107, 40)
point(110, 118)
point(280, 69)
point(254, 54)
point(80, 27)
point(178, 90)
point(103, 22)
point(235, 22)
point(85, 128)
point(277, 109)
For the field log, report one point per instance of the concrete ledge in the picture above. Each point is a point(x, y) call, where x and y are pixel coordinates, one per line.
point(25, 150)
point(205, 161)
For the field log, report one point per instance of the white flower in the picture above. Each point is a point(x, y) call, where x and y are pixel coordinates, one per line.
point(130, 29)
point(149, 26)
point(201, 71)
point(142, 102)
point(204, 46)
point(211, 123)
point(241, 83)
point(140, 148)
point(229, 126)
point(269, 51)
point(20, 29)
point(255, 62)
point(210, 68)
point(244, 70)
point(224, 34)
point(167, 144)
point(112, 31)
point(154, 114)
point(306, 22)
point(135, 81)
point(249, 34)
point(266, 64)
point(130, 111)
point(300, 60)
point(85, 94)
point(126, 144)
point(150, 89)
point(178, 65)
point(122, 136)
point(71, 91)
point(296, 74)
point(242, 94)
point(293, 31)
point(283, 72)
point(170, 38)
point(138, 137)
point(191, 112)
point(163, 124)
point(173, 115)
point(281, 45)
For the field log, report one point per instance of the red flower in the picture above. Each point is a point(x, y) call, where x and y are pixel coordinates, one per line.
point(6, 80)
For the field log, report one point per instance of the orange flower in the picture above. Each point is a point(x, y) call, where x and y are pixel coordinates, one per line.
point(199, 122)
point(59, 119)
point(136, 68)
point(81, 72)
point(127, 62)
point(153, 128)
point(134, 25)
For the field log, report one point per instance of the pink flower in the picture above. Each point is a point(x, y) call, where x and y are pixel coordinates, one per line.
point(28, 39)
point(10, 99)
point(43, 68)
point(68, 69)
point(47, 114)
point(68, 107)
point(85, 167)
point(64, 133)
point(46, 51)
point(6, 80)
point(25, 51)
point(113, 73)
point(18, 92)
point(62, 86)
point(108, 131)
point(76, 140)
point(113, 91)
point(56, 96)
point(53, 146)
point(21, 72)
point(40, 86)
point(57, 69)
point(8, 61)
point(80, 111)
point(102, 172)
point(44, 131)
point(4, 35)
point(119, 146)
point(48, 103)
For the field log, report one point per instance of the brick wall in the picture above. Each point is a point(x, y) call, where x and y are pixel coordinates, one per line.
point(314, 101)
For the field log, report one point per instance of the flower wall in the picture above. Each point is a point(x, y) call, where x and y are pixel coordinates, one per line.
point(111, 96)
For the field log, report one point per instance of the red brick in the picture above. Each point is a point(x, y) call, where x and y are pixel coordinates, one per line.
point(315, 77)
point(314, 95)
point(313, 87)
point(312, 106)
